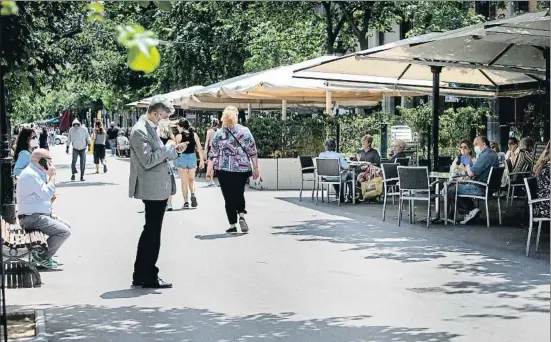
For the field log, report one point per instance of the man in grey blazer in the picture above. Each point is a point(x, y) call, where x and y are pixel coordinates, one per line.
point(152, 181)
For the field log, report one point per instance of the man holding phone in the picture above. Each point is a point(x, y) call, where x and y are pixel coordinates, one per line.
point(151, 180)
point(35, 193)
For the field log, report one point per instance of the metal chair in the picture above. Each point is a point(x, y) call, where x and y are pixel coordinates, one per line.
point(513, 181)
point(531, 185)
point(328, 172)
point(414, 186)
point(390, 181)
point(307, 168)
point(492, 185)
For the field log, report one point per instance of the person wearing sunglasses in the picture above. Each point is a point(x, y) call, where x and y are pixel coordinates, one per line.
point(466, 157)
point(26, 142)
point(80, 138)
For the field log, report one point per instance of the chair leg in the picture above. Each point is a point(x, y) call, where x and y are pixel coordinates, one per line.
point(400, 206)
point(487, 214)
point(301, 187)
point(529, 237)
point(499, 207)
point(512, 195)
point(317, 187)
point(313, 189)
point(455, 210)
point(508, 194)
point(428, 212)
point(538, 237)
point(384, 205)
point(341, 190)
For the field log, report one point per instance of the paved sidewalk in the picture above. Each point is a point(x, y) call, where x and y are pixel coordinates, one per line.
point(305, 273)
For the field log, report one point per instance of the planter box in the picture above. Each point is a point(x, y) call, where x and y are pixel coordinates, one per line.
point(282, 174)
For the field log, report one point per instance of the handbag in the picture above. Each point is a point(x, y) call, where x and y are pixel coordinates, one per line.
point(250, 173)
point(372, 188)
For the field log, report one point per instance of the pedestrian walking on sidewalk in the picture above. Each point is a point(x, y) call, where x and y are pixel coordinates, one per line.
point(234, 156)
point(99, 136)
point(80, 139)
point(187, 161)
point(112, 135)
point(208, 142)
point(151, 180)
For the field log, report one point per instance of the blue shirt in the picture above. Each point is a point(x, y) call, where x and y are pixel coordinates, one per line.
point(34, 194)
point(23, 160)
point(481, 168)
point(334, 155)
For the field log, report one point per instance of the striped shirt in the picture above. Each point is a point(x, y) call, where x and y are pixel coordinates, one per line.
point(230, 155)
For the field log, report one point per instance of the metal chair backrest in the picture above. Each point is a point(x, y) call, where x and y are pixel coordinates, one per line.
point(306, 162)
point(494, 178)
point(328, 167)
point(531, 185)
point(384, 160)
point(413, 177)
point(390, 170)
point(403, 161)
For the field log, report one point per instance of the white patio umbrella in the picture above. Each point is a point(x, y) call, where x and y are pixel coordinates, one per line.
point(458, 58)
point(172, 96)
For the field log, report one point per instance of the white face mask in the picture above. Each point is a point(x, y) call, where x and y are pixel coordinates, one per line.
point(33, 143)
point(477, 150)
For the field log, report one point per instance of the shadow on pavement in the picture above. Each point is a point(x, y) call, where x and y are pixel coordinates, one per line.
point(128, 293)
point(78, 183)
point(137, 324)
point(480, 267)
point(219, 236)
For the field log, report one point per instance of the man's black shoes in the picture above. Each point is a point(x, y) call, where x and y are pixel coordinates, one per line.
point(158, 284)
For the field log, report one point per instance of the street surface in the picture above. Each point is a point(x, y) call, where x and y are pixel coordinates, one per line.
point(303, 274)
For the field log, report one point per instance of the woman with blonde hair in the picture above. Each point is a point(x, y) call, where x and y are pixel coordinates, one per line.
point(233, 154)
point(542, 173)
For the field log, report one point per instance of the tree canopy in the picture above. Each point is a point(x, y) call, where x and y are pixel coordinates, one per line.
point(67, 55)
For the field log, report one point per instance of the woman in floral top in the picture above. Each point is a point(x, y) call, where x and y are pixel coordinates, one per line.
point(542, 173)
point(232, 153)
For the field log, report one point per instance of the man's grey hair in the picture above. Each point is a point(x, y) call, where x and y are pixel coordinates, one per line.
point(330, 145)
point(526, 143)
point(400, 145)
point(160, 103)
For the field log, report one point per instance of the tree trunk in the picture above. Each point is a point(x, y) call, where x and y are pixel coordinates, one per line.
point(532, 6)
point(328, 27)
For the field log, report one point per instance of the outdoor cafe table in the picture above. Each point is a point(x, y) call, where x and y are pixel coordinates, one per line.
point(445, 177)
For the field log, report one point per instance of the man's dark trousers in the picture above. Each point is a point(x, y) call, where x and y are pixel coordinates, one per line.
point(150, 242)
point(82, 155)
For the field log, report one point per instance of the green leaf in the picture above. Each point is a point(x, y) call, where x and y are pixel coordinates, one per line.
point(95, 11)
point(146, 62)
point(9, 8)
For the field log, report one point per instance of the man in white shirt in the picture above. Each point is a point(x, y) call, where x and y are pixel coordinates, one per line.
point(35, 190)
point(80, 138)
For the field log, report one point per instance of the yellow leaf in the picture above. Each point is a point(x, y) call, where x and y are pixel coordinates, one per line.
point(139, 61)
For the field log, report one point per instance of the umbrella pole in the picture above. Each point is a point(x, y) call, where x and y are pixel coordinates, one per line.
point(435, 113)
point(547, 120)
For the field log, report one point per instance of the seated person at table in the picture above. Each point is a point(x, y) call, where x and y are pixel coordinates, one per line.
point(35, 193)
point(397, 148)
point(466, 157)
point(330, 147)
point(367, 153)
point(496, 149)
point(524, 160)
point(542, 172)
point(479, 172)
point(512, 145)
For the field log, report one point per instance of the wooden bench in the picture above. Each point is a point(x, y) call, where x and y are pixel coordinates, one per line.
point(17, 248)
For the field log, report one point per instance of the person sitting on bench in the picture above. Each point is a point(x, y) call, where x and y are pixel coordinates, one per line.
point(35, 192)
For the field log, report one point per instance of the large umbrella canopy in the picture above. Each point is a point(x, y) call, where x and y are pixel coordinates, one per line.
point(513, 44)
point(260, 104)
point(279, 84)
point(172, 96)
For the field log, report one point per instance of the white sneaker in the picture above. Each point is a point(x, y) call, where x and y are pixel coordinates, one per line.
point(471, 215)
